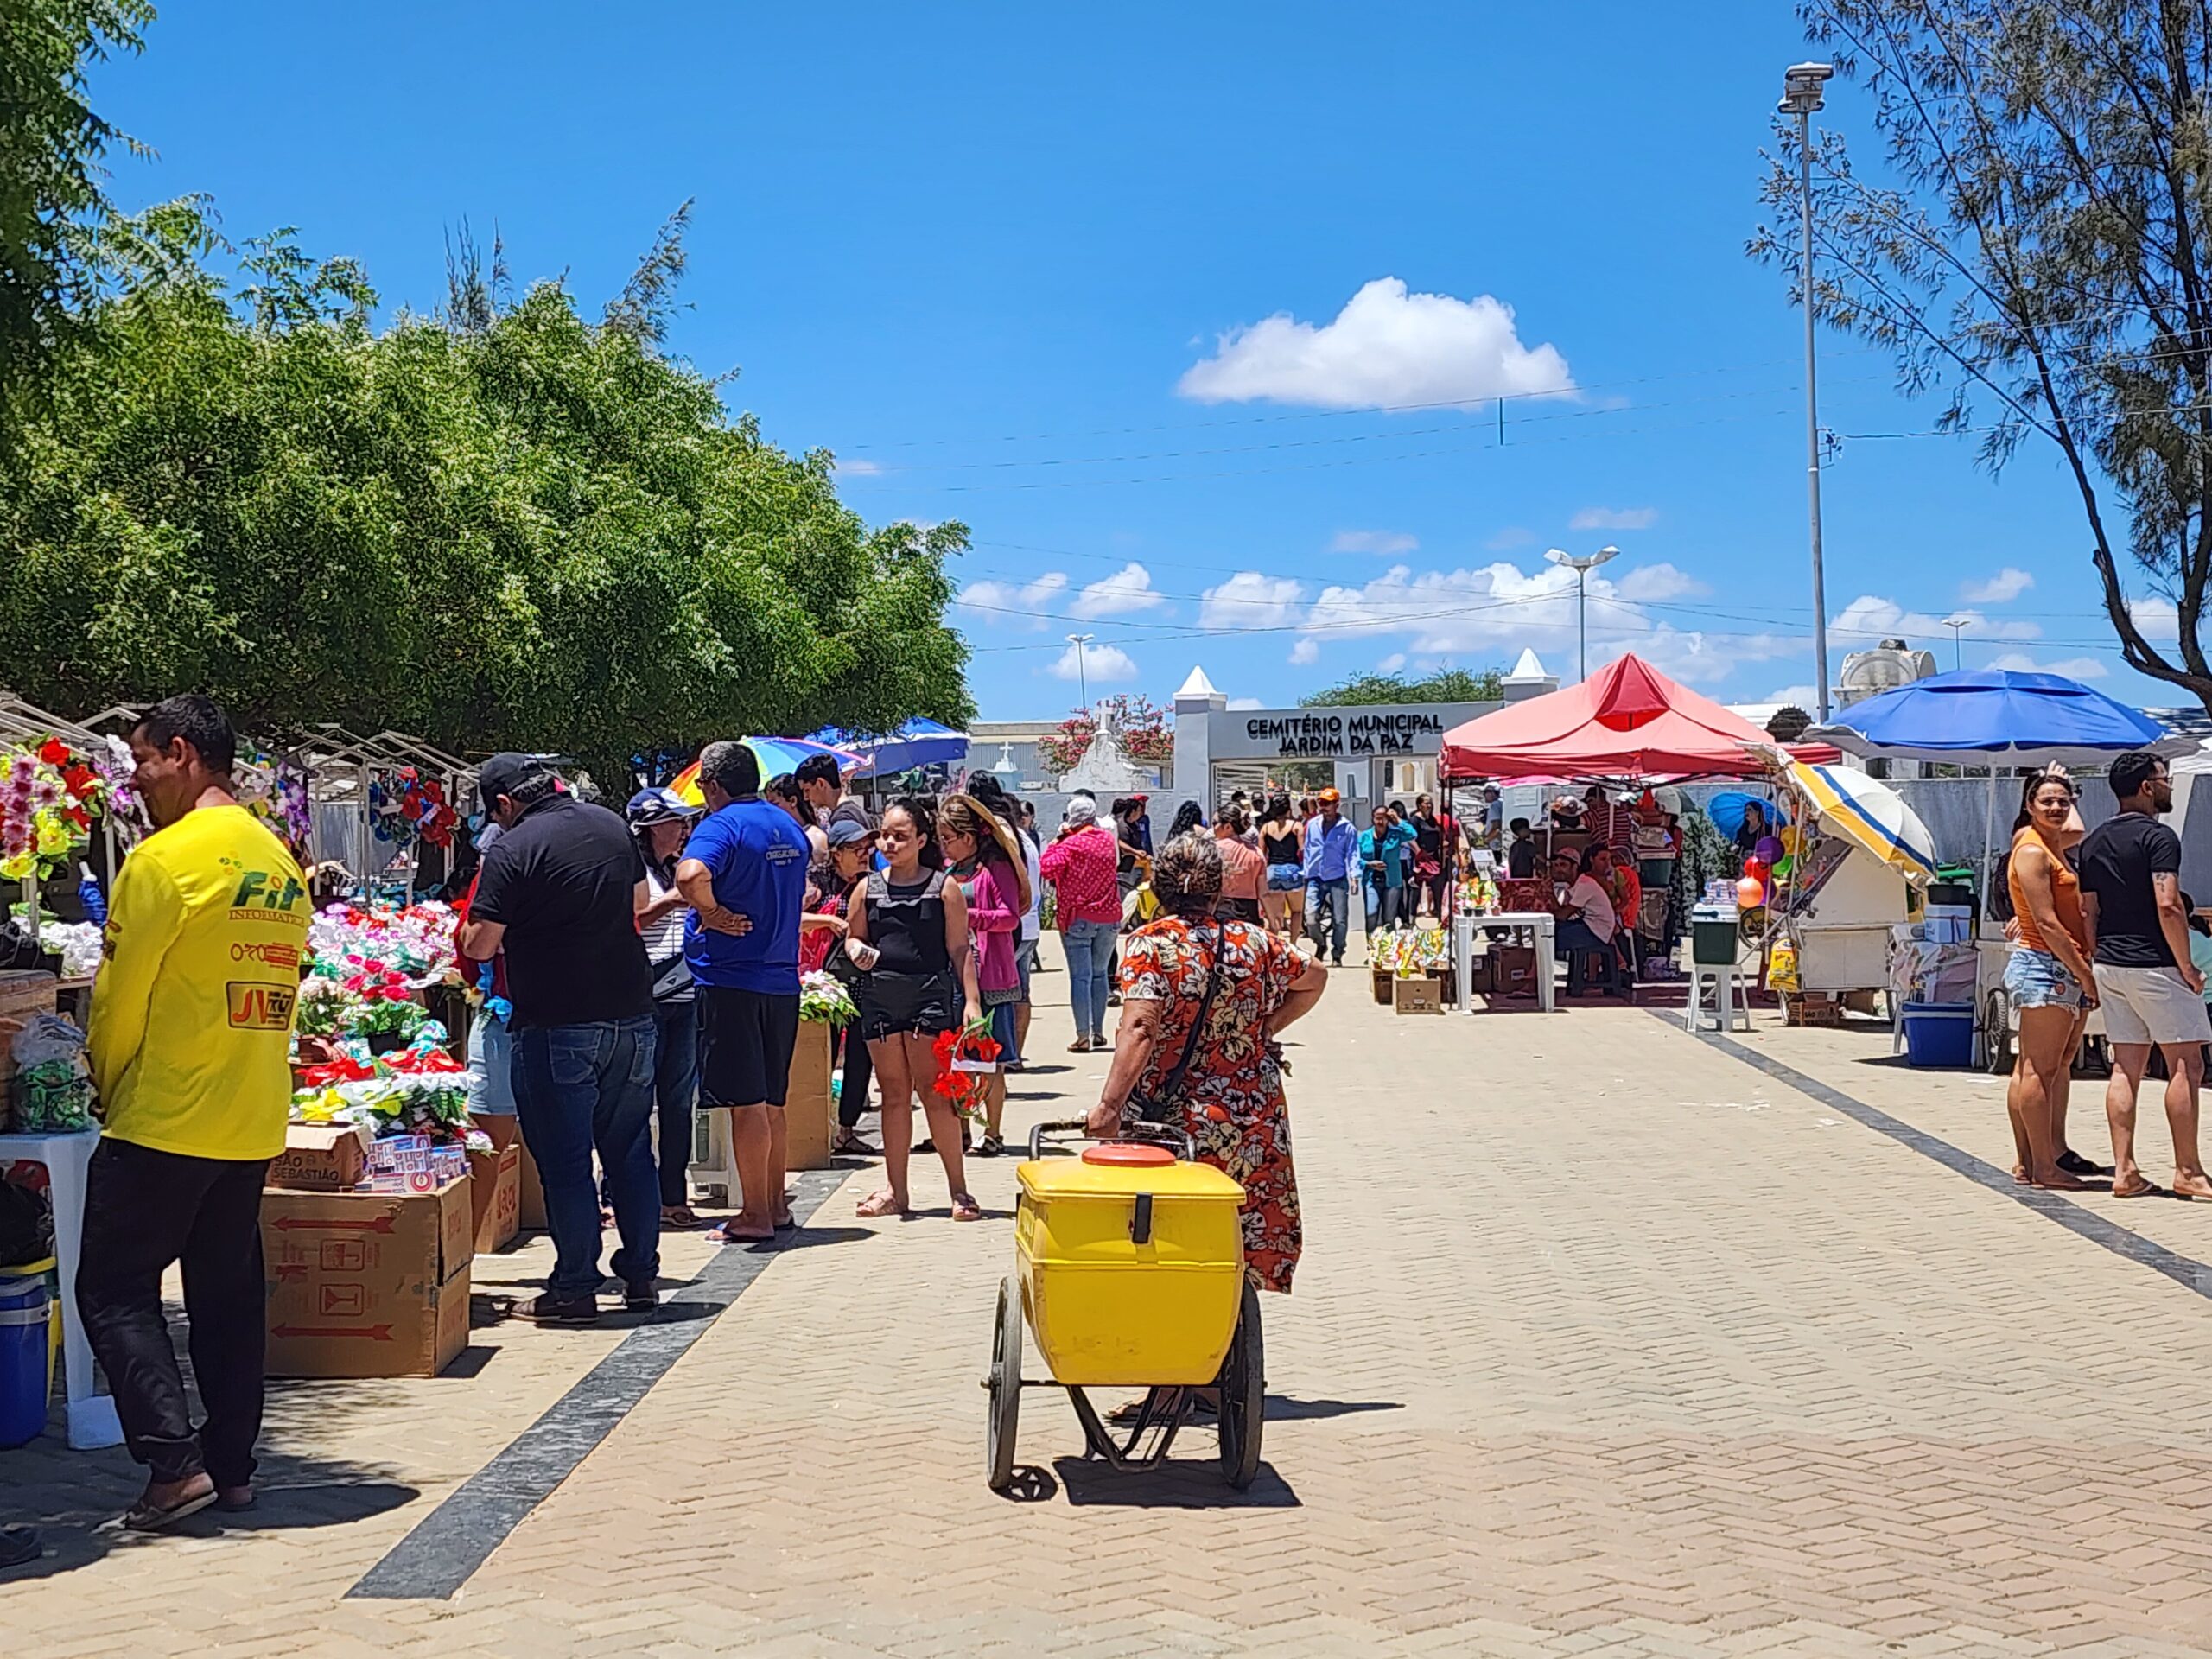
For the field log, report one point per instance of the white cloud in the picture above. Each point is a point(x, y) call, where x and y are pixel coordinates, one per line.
point(1128, 590)
point(1306, 650)
point(1392, 664)
point(1388, 542)
point(1614, 519)
point(2002, 589)
point(1250, 600)
point(2158, 618)
point(1097, 665)
point(1238, 704)
point(1800, 697)
point(1869, 618)
point(1652, 582)
point(1488, 614)
point(1387, 346)
point(1003, 604)
point(857, 467)
point(2073, 668)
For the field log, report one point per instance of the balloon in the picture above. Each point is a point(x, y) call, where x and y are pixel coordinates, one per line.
point(1751, 893)
point(1793, 840)
point(1768, 849)
point(1757, 869)
point(1783, 866)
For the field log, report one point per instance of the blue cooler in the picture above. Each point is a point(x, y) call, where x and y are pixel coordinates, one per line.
point(26, 1358)
point(1939, 1035)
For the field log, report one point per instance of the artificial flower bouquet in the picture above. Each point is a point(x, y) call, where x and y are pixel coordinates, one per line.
point(964, 1058)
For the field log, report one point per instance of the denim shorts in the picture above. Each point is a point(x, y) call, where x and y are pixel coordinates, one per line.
point(2037, 979)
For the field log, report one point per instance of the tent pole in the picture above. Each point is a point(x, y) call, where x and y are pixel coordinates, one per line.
point(1988, 837)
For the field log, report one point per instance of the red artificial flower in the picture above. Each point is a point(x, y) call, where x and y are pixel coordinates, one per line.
point(54, 752)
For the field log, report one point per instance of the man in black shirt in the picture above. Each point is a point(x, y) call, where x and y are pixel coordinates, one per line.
point(560, 891)
point(2132, 904)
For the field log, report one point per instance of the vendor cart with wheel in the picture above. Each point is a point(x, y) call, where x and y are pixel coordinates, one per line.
point(1129, 1273)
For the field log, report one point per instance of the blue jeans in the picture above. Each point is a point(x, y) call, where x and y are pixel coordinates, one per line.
point(676, 1087)
point(578, 1089)
point(1328, 905)
point(1090, 947)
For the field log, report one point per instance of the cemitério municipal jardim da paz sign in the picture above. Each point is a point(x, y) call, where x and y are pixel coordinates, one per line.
point(1399, 732)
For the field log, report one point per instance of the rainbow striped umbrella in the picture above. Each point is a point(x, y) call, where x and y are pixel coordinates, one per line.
point(775, 754)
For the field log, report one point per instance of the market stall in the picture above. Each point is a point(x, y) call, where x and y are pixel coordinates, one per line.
point(1627, 725)
point(1842, 883)
point(2004, 720)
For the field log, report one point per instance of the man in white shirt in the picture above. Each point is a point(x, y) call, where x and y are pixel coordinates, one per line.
point(1586, 921)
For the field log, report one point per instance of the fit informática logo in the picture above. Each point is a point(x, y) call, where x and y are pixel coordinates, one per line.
point(256, 891)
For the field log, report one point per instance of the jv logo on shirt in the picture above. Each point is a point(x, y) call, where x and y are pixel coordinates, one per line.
point(260, 1007)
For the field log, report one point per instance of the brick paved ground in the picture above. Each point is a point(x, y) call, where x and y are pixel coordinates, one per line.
point(1605, 1342)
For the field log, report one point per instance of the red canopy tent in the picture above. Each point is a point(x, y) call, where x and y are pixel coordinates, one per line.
point(1626, 721)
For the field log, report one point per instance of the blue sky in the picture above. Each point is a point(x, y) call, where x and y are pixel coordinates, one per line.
point(1121, 291)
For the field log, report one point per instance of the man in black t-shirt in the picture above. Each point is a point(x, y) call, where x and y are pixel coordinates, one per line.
point(559, 891)
point(2139, 929)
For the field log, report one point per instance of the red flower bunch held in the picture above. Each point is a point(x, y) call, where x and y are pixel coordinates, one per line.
point(964, 1090)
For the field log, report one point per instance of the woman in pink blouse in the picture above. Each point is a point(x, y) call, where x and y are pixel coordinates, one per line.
point(983, 856)
point(1080, 865)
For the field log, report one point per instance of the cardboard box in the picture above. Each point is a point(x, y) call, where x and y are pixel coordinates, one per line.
point(1516, 971)
point(495, 1196)
point(810, 1113)
point(531, 1211)
point(1422, 993)
point(1382, 977)
point(321, 1157)
point(1481, 975)
point(365, 1284)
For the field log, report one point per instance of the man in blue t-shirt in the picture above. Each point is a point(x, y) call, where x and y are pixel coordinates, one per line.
point(744, 875)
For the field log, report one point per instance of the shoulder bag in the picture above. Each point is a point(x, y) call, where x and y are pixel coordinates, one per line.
point(1164, 1106)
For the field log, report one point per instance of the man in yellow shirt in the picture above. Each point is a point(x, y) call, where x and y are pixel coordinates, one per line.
point(189, 1042)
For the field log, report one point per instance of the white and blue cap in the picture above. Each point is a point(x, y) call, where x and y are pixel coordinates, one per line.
point(660, 805)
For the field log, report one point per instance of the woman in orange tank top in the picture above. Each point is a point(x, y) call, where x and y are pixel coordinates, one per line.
point(2048, 979)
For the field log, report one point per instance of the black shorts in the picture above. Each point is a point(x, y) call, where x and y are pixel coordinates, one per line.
point(894, 1005)
point(746, 1040)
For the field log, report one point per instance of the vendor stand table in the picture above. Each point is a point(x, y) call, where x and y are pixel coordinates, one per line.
point(93, 1421)
point(1463, 951)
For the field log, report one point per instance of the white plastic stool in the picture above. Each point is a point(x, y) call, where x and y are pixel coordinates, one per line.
point(93, 1421)
point(1729, 1012)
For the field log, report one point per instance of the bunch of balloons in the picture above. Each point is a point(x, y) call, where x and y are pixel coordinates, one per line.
point(1767, 861)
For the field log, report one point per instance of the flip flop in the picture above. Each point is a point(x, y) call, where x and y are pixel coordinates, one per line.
point(722, 1235)
point(2148, 1190)
point(878, 1204)
point(965, 1207)
point(142, 1517)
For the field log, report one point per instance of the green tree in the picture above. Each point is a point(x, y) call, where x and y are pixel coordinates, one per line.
point(502, 527)
point(53, 198)
point(2035, 254)
point(1445, 685)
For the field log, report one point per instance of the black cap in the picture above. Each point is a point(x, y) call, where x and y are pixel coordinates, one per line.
point(504, 774)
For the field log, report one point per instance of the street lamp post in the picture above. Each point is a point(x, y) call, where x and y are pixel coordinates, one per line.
point(1582, 567)
point(1800, 96)
point(1082, 677)
point(1958, 626)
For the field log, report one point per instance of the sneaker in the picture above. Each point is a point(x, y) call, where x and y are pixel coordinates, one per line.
point(559, 1310)
point(642, 1298)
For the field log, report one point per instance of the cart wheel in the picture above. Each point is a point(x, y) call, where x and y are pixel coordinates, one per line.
point(1004, 1383)
point(1997, 1034)
point(1243, 1395)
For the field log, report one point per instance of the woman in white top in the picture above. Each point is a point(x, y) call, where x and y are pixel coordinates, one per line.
point(661, 821)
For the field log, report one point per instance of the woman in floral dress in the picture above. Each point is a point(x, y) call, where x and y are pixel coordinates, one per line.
point(1230, 1098)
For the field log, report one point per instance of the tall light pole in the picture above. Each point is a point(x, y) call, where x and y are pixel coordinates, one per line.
point(1582, 567)
point(1957, 624)
point(1082, 677)
point(1800, 96)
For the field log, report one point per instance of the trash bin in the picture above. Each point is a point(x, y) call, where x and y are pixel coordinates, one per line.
point(26, 1357)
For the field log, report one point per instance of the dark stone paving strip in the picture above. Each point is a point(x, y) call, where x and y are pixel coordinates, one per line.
point(446, 1547)
point(2134, 1246)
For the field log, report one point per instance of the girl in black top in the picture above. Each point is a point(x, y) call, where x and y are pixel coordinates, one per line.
point(1282, 846)
point(908, 931)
